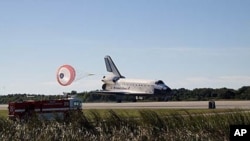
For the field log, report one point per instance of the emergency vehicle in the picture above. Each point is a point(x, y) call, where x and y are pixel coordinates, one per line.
point(44, 109)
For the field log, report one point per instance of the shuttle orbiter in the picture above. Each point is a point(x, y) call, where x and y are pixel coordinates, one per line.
point(115, 83)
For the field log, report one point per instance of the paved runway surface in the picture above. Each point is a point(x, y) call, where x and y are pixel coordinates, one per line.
point(170, 105)
point(162, 105)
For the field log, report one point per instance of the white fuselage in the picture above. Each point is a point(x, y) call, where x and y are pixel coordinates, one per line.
point(133, 86)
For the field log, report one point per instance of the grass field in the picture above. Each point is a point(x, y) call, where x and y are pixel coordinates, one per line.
point(136, 112)
point(3, 113)
point(130, 124)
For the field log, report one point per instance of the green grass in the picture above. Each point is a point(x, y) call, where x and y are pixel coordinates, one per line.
point(136, 112)
point(129, 124)
point(3, 113)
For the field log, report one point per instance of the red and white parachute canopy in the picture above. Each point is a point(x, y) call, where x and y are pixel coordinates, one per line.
point(65, 75)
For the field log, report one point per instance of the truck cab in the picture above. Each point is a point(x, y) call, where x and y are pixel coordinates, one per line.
point(75, 104)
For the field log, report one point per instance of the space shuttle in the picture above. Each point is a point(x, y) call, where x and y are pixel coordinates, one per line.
point(115, 83)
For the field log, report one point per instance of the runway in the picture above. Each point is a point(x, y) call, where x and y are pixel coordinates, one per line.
point(163, 105)
point(169, 105)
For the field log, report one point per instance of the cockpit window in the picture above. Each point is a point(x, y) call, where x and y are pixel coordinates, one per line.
point(159, 82)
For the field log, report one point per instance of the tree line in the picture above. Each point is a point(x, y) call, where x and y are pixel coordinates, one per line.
point(4, 99)
point(182, 94)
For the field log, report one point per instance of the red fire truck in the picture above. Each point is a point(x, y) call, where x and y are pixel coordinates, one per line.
point(44, 109)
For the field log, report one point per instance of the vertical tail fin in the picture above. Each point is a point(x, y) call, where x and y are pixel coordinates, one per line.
point(110, 66)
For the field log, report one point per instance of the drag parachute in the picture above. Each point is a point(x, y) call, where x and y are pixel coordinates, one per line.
point(65, 75)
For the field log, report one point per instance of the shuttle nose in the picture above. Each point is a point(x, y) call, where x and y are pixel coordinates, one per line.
point(162, 89)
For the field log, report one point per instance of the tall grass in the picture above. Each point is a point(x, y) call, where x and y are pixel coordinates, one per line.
point(149, 126)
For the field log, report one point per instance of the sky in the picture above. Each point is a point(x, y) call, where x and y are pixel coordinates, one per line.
point(187, 44)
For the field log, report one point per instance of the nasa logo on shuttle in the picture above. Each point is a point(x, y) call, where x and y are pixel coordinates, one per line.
point(121, 88)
